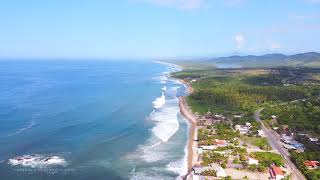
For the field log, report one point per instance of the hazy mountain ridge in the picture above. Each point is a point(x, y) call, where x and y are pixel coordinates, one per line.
point(310, 59)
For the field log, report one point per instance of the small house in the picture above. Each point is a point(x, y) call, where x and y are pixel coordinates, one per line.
point(312, 164)
point(198, 169)
point(212, 147)
point(221, 143)
point(260, 133)
point(220, 172)
point(313, 139)
point(276, 173)
point(253, 161)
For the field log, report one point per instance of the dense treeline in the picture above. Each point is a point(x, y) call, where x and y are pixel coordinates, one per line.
point(219, 93)
point(299, 115)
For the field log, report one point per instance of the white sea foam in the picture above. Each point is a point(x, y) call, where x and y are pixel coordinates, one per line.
point(159, 147)
point(37, 161)
point(160, 101)
point(170, 66)
point(147, 176)
point(166, 120)
point(180, 166)
point(163, 78)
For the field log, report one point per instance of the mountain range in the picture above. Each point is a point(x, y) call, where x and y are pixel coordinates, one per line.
point(309, 59)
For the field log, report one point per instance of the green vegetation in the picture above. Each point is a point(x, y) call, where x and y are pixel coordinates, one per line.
point(300, 158)
point(299, 115)
point(241, 90)
point(290, 93)
point(217, 131)
point(210, 157)
point(209, 173)
point(268, 158)
point(260, 142)
point(234, 91)
point(310, 59)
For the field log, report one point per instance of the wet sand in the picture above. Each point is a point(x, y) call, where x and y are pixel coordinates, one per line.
point(187, 113)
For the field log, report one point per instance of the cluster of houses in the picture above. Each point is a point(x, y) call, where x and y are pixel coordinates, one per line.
point(217, 143)
point(291, 143)
point(246, 129)
point(243, 129)
point(210, 119)
point(199, 171)
point(311, 138)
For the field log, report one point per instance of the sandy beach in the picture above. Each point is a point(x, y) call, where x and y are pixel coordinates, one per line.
point(187, 113)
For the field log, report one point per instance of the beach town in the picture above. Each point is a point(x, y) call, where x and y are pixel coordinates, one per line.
point(220, 149)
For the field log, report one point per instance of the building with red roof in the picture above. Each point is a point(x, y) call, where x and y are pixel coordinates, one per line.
point(312, 164)
point(221, 143)
point(276, 172)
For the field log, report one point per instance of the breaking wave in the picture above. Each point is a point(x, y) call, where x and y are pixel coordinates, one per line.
point(166, 121)
point(37, 161)
point(159, 102)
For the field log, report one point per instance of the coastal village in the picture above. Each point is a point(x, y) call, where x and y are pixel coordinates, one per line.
point(221, 149)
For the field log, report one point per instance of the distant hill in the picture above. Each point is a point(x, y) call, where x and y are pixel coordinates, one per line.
point(309, 59)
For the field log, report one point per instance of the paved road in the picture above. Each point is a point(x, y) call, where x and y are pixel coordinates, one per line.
point(274, 141)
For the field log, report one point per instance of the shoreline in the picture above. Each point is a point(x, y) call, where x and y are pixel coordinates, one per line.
point(192, 121)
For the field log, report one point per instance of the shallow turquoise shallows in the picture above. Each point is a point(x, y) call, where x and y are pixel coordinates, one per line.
point(90, 119)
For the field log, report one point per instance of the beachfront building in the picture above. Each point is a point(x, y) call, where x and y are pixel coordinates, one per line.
point(220, 172)
point(198, 169)
point(312, 164)
point(204, 122)
point(276, 173)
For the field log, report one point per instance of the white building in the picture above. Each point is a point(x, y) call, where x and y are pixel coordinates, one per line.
point(253, 161)
point(220, 172)
point(248, 124)
point(242, 129)
point(260, 133)
point(212, 147)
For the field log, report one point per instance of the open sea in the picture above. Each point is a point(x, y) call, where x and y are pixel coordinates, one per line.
point(90, 120)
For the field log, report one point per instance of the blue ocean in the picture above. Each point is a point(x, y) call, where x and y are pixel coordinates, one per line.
point(90, 119)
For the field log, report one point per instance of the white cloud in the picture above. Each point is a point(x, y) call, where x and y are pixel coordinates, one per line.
point(240, 40)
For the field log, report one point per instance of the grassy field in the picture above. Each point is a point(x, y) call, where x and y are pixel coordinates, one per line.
point(260, 142)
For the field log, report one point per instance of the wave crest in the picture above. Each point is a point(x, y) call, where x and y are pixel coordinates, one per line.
point(160, 101)
point(39, 161)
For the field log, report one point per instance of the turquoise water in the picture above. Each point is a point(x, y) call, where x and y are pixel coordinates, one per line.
point(90, 120)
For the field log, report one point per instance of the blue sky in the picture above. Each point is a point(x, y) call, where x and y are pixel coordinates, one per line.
point(156, 28)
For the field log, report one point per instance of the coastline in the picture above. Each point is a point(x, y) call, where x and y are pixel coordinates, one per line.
point(192, 120)
point(187, 113)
